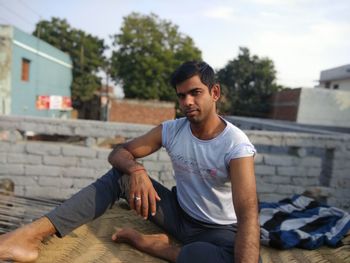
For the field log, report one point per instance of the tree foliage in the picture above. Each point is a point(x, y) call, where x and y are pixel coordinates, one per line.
point(149, 49)
point(247, 83)
point(86, 52)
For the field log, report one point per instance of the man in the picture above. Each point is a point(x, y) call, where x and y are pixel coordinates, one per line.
point(213, 209)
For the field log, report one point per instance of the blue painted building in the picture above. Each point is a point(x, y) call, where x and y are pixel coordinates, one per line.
point(35, 77)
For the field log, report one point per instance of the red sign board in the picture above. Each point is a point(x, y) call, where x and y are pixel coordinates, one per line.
point(53, 102)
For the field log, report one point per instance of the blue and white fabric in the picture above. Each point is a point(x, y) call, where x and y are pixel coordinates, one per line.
point(302, 222)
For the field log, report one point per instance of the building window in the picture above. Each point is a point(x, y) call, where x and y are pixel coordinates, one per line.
point(25, 69)
point(335, 86)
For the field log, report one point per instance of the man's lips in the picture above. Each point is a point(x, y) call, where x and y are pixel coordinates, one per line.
point(191, 111)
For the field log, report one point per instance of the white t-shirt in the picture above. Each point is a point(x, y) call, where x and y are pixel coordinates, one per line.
point(201, 169)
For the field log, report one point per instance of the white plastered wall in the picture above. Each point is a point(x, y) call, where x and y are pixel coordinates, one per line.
point(324, 107)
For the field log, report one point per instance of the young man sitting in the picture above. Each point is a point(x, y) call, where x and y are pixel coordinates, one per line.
point(212, 211)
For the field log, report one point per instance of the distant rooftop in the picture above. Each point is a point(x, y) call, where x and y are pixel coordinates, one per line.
point(338, 73)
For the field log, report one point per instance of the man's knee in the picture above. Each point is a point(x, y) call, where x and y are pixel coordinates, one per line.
point(109, 179)
point(110, 183)
point(204, 252)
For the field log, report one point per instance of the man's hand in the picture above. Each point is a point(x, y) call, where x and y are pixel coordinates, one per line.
point(142, 195)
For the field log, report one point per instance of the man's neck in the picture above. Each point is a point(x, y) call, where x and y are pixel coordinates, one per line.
point(208, 129)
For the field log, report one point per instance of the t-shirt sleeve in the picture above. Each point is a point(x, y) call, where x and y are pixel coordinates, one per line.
point(169, 131)
point(241, 148)
point(166, 127)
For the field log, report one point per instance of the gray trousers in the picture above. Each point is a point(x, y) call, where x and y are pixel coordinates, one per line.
point(201, 242)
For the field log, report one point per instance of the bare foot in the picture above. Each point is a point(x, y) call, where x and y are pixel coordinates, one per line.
point(23, 243)
point(157, 244)
point(18, 246)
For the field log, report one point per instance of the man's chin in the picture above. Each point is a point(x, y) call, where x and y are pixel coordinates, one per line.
point(193, 119)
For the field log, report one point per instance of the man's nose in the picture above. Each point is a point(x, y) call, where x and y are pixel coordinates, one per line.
point(188, 100)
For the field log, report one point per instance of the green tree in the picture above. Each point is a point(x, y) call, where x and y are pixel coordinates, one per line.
point(247, 83)
point(148, 50)
point(86, 52)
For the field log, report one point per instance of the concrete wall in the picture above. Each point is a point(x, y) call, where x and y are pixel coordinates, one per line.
point(261, 124)
point(138, 111)
point(343, 84)
point(5, 69)
point(324, 107)
point(286, 163)
point(317, 106)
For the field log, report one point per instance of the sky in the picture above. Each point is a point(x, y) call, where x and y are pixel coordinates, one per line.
point(302, 37)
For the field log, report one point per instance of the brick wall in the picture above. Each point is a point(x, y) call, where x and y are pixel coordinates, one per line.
point(136, 111)
point(284, 105)
point(286, 163)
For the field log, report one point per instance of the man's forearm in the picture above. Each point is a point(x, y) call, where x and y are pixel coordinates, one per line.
point(142, 196)
point(121, 159)
point(247, 242)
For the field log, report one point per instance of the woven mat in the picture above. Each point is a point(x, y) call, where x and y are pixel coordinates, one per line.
point(92, 243)
point(321, 255)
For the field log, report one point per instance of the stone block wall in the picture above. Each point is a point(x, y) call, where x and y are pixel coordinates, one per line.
point(286, 163)
point(58, 170)
point(292, 163)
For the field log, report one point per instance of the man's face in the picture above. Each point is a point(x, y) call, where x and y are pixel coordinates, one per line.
point(196, 102)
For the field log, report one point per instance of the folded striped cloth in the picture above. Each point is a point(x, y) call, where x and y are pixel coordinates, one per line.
point(302, 222)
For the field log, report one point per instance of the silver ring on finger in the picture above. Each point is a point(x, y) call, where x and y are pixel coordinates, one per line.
point(137, 198)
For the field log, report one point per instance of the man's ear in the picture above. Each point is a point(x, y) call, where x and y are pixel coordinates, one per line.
point(216, 92)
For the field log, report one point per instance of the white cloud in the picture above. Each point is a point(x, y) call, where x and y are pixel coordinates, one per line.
point(279, 2)
point(270, 15)
point(221, 12)
point(331, 33)
point(299, 57)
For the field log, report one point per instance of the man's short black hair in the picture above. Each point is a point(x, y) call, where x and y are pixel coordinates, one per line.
point(194, 68)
